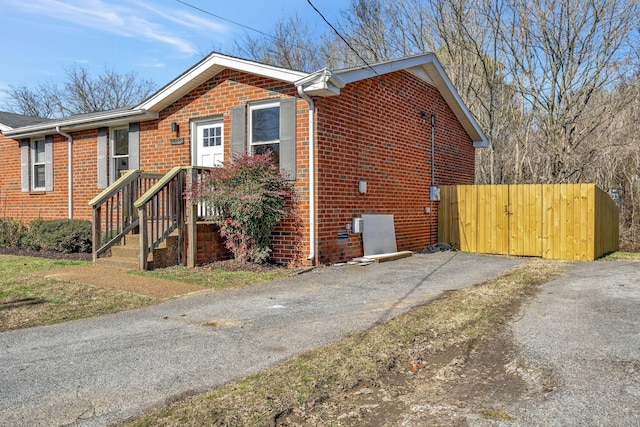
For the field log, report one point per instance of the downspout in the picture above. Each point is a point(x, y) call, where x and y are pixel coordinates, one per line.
point(312, 176)
point(433, 147)
point(433, 172)
point(70, 168)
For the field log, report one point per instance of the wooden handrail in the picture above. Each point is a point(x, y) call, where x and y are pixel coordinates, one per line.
point(146, 197)
point(113, 211)
point(157, 213)
point(161, 210)
point(108, 192)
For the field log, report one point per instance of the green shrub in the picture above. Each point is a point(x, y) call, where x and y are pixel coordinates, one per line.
point(59, 235)
point(11, 232)
point(250, 197)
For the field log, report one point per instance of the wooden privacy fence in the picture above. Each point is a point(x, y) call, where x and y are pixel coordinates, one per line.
point(556, 221)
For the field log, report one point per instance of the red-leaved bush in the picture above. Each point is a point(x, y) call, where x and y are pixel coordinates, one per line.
point(247, 198)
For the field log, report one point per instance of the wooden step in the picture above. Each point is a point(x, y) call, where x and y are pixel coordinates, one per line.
point(126, 256)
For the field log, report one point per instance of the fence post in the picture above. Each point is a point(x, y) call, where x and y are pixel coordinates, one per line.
point(144, 247)
point(192, 252)
point(96, 231)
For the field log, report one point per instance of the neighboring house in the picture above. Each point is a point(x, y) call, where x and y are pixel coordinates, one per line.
point(331, 130)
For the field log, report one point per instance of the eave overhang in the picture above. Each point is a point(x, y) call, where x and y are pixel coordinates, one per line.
point(208, 68)
point(79, 123)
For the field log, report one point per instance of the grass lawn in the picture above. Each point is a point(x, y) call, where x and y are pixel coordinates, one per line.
point(27, 299)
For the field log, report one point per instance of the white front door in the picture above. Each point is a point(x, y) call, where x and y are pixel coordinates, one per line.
point(209, 149)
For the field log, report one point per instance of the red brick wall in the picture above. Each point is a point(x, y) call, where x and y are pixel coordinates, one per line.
point(34, 204)
point(210, 246)
point(374, 131)
point(215, 98)
point(54, 204)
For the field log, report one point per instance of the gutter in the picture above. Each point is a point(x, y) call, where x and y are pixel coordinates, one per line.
point(70, 168)
point(312, 176)
point(88, 121)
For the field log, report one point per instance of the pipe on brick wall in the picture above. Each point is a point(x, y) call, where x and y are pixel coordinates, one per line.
point(312, 176)
point(70, 156)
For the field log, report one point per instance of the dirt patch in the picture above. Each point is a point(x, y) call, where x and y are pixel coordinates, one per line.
point(468, 384)
point(113, 278)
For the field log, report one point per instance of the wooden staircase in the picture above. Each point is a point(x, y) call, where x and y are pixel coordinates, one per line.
point(157, 201)
point(126, 256)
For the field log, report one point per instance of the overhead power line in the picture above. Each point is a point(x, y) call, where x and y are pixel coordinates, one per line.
point(272, 37)
point(225, 19)
point(341, 37)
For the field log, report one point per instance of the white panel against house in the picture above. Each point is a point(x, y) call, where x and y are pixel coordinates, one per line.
point(379, 234)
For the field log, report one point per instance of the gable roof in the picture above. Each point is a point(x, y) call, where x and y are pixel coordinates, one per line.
point(425, 67)
point(206, 69)
point(320, 83)
point(10, 121)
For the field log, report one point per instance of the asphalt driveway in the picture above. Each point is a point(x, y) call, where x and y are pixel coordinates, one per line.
point(103, 370)
point(583, 329)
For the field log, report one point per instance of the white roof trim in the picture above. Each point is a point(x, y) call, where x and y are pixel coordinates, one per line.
point(206, 69)
point(4, 128)
point(89, 121)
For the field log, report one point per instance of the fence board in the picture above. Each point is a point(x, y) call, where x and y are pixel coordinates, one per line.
point(560, 221)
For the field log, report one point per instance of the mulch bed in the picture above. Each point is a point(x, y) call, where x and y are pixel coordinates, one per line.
point(235, 265)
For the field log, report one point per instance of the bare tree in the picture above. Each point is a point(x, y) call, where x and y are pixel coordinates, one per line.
point(291, 46)
point(561, 55)
point(82, 93)
point(43, 101)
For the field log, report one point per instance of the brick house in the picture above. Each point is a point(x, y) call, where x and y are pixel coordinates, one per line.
point(356, 141)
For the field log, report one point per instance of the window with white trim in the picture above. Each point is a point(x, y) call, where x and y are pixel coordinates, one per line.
point(264, 129)
point(119, 152)
point(38, 165)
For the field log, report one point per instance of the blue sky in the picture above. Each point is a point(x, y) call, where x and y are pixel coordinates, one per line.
point(157, 39)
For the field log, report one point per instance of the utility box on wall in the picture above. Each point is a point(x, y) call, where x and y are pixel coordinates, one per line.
point(434, 194)
point(358, 225)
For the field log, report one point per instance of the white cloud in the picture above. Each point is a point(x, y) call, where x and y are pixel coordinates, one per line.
point(130, 19)
point(153, 65)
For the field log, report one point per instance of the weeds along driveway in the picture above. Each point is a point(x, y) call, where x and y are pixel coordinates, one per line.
point(103, 370)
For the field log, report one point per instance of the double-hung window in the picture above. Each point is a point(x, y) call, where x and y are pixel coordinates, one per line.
point(119, 152)
point(38, 165)
point(264, 129)
point(266, 126)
